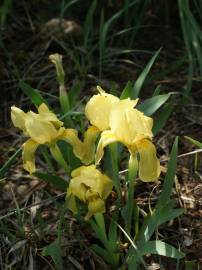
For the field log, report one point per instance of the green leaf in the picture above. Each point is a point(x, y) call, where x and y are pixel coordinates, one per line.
point(170, 175)
point(155, 219)
point(88, 25)
point(132, 262)
point(99, 227)
point(195, 142)
point(103, 253)
point(53, 250)
point(74, 93)
point(53, 179)
point(151, 105)
point(8, 163)
point(139, 82)
point(157, 90)
point(57, 155)
point(162, 117)
point(104, 29)
point(127, 90)
point(163, 211)
point(33, 94)
point(190, 265)
point(112, 235)
point(160, 248)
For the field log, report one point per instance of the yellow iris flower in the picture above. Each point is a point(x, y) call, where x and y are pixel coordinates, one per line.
point(100, 106)
point(127, 125)
point(90, 186)
point(45, 128)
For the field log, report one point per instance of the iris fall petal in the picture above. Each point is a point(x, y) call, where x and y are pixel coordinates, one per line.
point(149, 166)
point(28, 155)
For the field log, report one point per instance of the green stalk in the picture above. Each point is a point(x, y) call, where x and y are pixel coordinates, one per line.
point(129, 208)
point(57, 155)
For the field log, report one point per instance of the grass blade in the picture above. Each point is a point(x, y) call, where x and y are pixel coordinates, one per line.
point(8, 164)
point(195, 142)
point(170, 175)
point(161, 118)
point(160, 248)
point(53, 179)
point(32, 93)
point(139, 82)
point(151, 105)
point(54, 251)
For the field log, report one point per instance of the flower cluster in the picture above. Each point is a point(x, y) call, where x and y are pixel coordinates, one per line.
point(114, 120)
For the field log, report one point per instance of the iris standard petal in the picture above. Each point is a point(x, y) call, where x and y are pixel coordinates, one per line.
point(90, 186)
point(106, 138)
point(91, 178)
point(18, 118)
point(98, 109)
point(46, 115)
point(77, 188)
point(40, 131)
point(129, 125)
point(149, 165)
point(28, 155)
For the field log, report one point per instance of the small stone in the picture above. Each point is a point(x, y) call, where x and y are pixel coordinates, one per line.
point(35, 182)
point(21, 189)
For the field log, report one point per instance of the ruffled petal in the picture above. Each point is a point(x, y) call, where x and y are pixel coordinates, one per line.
point(77, 188)
point(39, 130)
point(149, 165)
point(46, 115)
point(128, 124)
point(18, 118)
point(28, 155)
point(95, 206)
point(98, 109)
point(106, 138)
point(90, 186)
point(89, 177)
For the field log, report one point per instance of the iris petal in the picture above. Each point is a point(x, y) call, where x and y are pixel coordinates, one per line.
point(85, 150)
point(40, 131)
point(90, 186)
point(28, 155)
point(90, 138)
point(128, 124)
point(98, 109)
point(18, 118)
point(95, 206)
point(149, 166)
point(46, 115)
point(106, 138)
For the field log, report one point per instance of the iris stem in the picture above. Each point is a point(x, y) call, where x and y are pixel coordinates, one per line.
point(57, 155)
point(130, 208)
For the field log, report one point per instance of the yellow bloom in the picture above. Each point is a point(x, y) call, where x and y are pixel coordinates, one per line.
point(128, 126)
point(99, 107)
point(45, 128)
point(90, 186)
